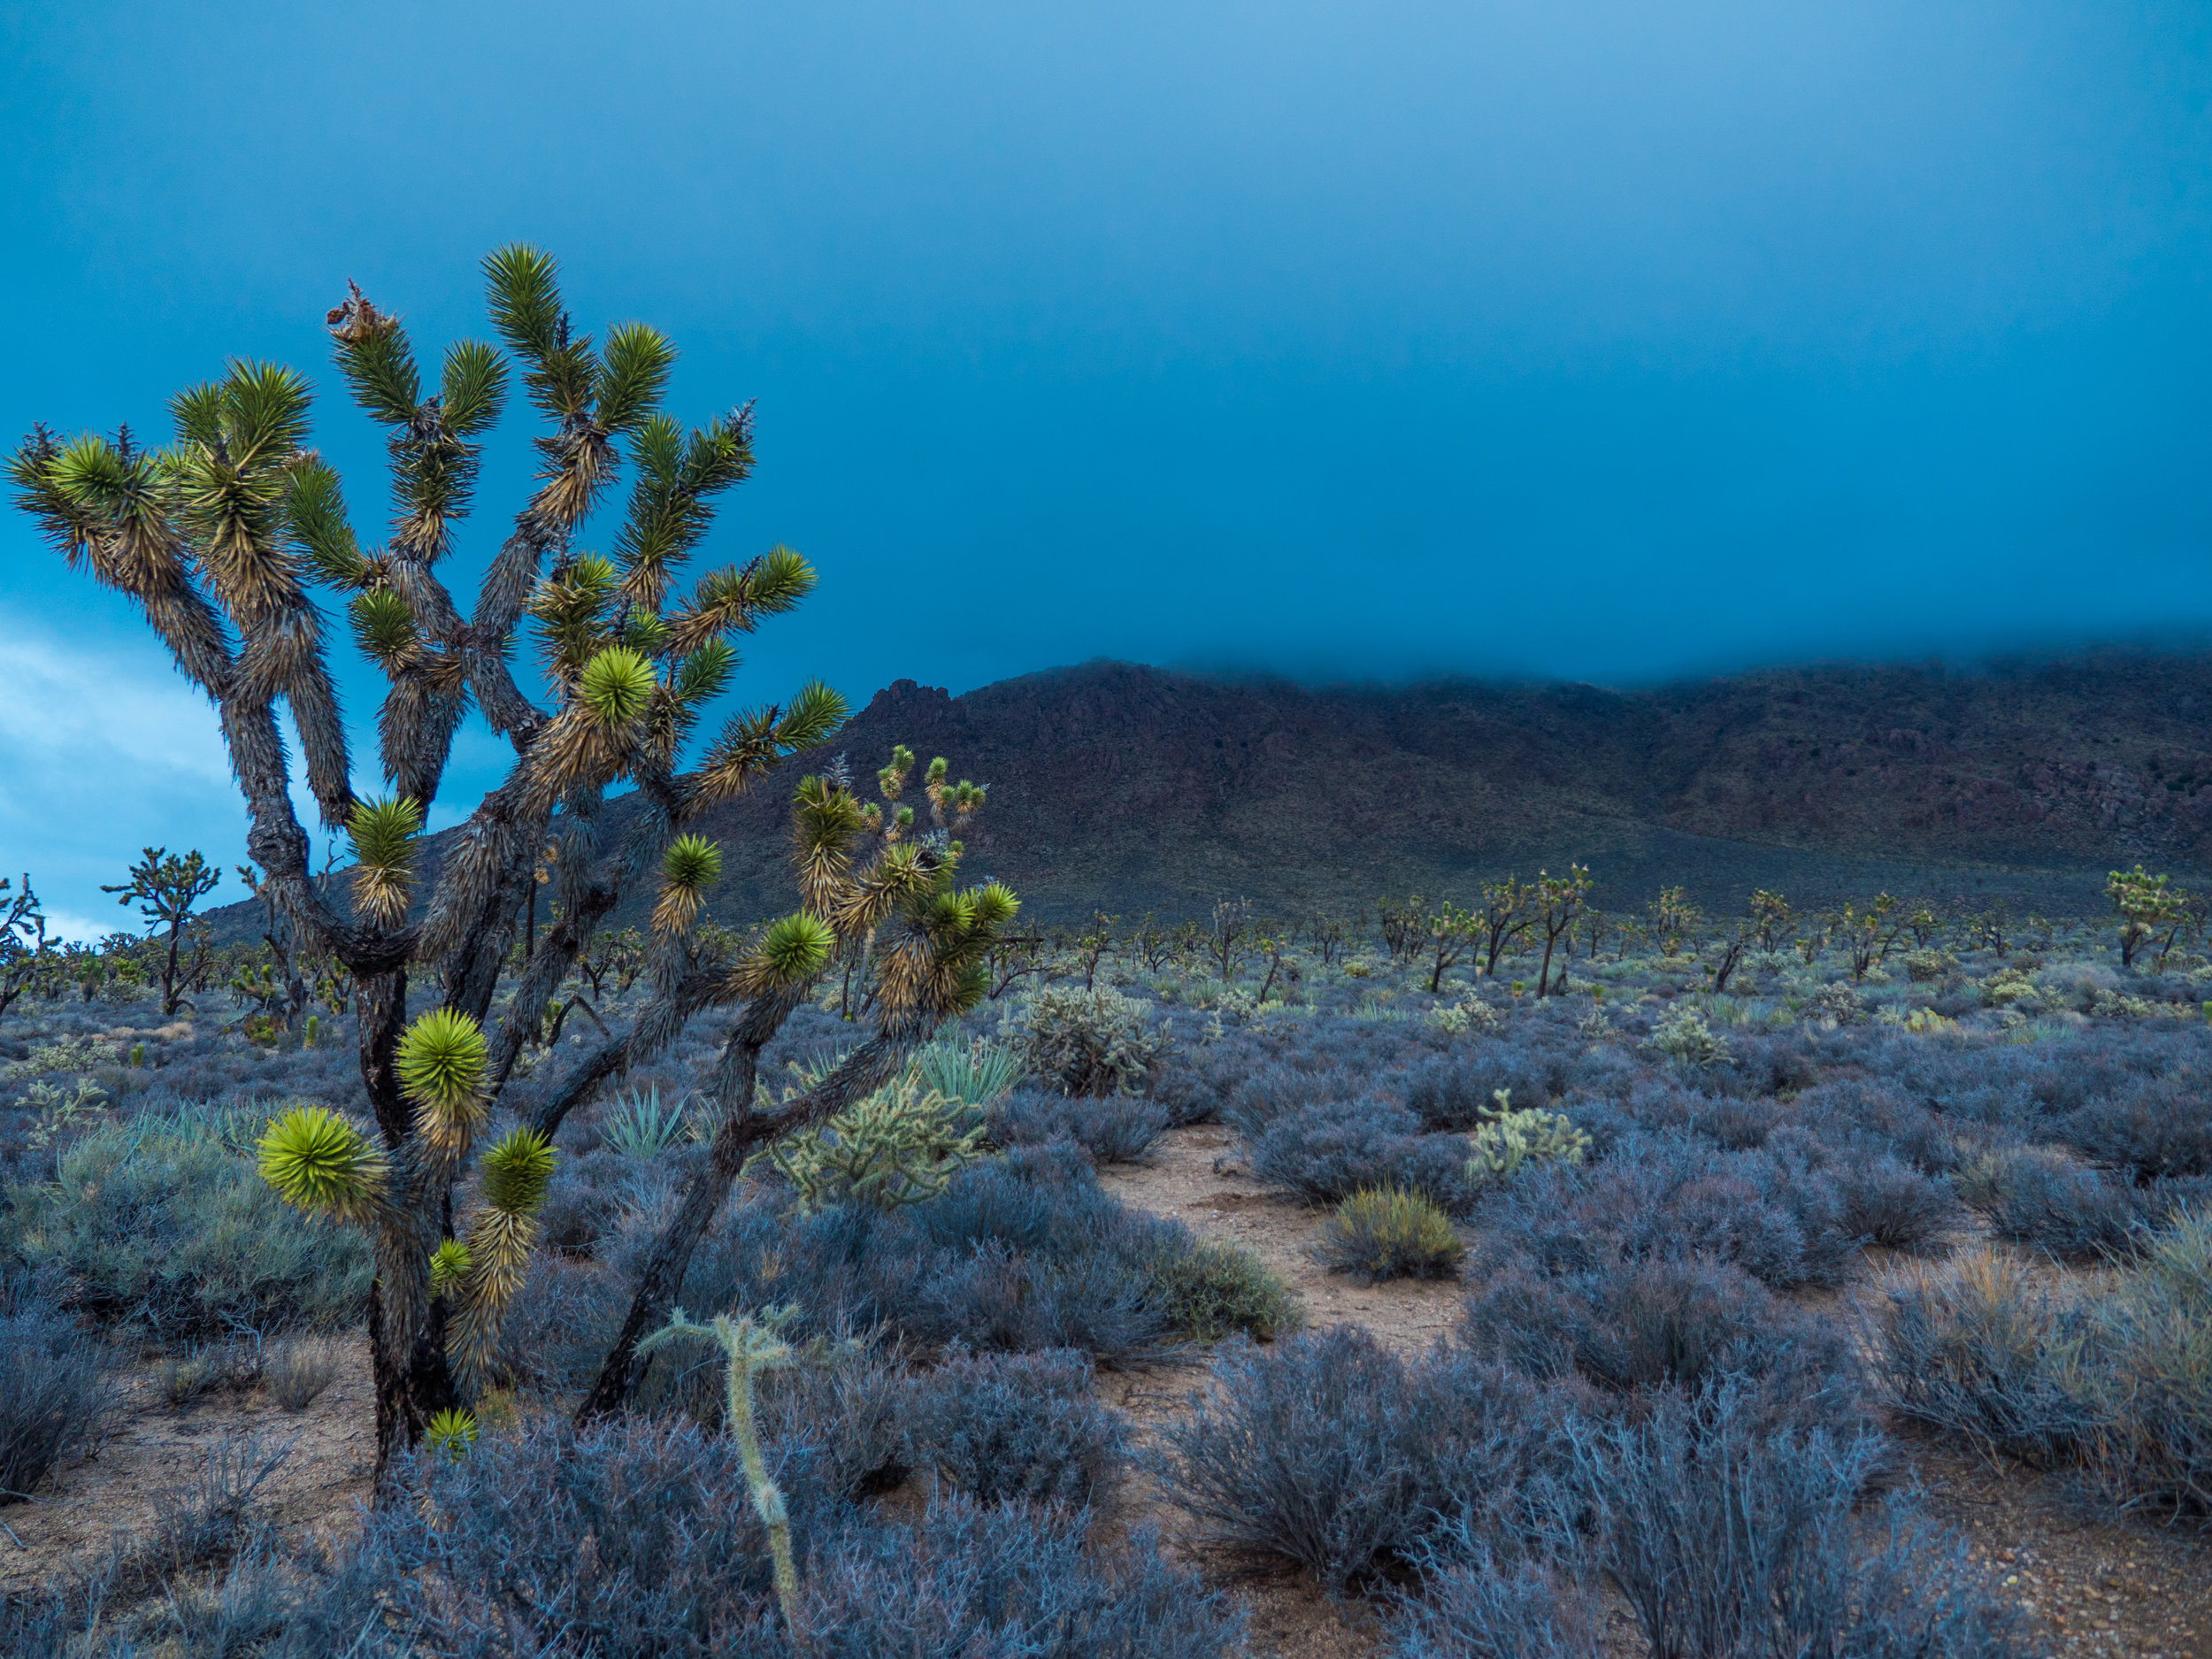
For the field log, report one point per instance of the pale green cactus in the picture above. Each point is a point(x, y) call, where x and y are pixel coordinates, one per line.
point(1514, 1138)
point(898, 1147)
point(750, 1347)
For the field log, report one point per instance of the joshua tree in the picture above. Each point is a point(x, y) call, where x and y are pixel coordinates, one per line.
point(1772, 917)
point(2147, 906)
point(1504, 916)
point(1451, 934)
point(1673, 916)
point(24, 953)
point(1557, 901)
point(218, 536)
point(167, 890)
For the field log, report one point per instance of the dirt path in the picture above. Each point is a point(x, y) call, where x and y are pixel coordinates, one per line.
point(155, 1448)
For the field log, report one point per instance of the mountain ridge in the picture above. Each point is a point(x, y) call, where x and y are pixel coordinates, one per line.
point(1128, 787)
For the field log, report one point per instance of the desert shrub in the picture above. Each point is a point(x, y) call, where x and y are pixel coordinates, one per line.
point(2037, 1198)
point(1020, 1253)
point(1331, 1151)
point(2157, 1127)
point(1454, 1092)
point(299, 1369)
point(1725, 1539)
point(1086, 1042)
point(1671, 1196)
point(1002, 1426)
point(1328, 1450)
point(57, 1390)
point(1980, 1348)
point(2149, 1378)
point(590, 1194)
point(637, 1539)
point(160, 1225)
point(1886, 1202)
point(1632, 1326)
point(1471, 1606)
point(1384, 1232)
point(205, 1517)
point(1112, 1128)
point(1730, 1121)
point(1219, 1288)
point(184, 1375)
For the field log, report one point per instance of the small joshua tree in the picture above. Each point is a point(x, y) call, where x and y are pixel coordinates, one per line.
point(1772, 918)
point(24, 953)
point(2147, 905)
point(166, 890)
point(1556, 902)
point(1451, 936)
point(218, 539)
point(1507, 913)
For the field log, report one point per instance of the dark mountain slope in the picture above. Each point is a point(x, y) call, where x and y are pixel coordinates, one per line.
point(1134, 789)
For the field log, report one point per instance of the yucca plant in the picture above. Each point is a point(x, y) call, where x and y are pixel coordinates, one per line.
point(221, 536)
point(644, 1127)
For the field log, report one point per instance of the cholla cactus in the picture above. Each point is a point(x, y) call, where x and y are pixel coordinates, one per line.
point(898, 1147)
point(750, 1348)
point(1683, 1034)
point(1086, 1042)
point(1513, 1137)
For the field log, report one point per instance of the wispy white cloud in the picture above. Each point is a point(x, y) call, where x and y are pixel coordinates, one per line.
point(103, 749)
point(70, 705)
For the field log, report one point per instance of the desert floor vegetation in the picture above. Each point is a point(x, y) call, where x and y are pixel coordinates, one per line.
point(1181, 1299)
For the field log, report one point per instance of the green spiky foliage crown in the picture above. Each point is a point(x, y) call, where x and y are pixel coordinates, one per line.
point(441, 1061)
point(617, 685)
point(451, 1432)
point(692, 864)
point(449, 1266)
point(517, 1171)
point(318, 1162)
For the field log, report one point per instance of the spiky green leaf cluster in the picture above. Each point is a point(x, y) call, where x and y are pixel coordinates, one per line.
point(383, 833)
point(670, 504)
point(525, 306)
point(441, 1061)
point(790, 951)
point(515, 1173)
point(384, 627)
point(632, 374)
point(575, 607)
point(617, 685)
point(448, 1267)
point(692, 862)
point(318, 1162)
point(451, 1432)
point(315, 506)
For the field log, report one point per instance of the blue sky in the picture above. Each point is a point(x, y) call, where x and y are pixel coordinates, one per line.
point(1609, 341)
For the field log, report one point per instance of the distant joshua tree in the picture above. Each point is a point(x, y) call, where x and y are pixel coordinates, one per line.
point(166, 890)
point(217, 537)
